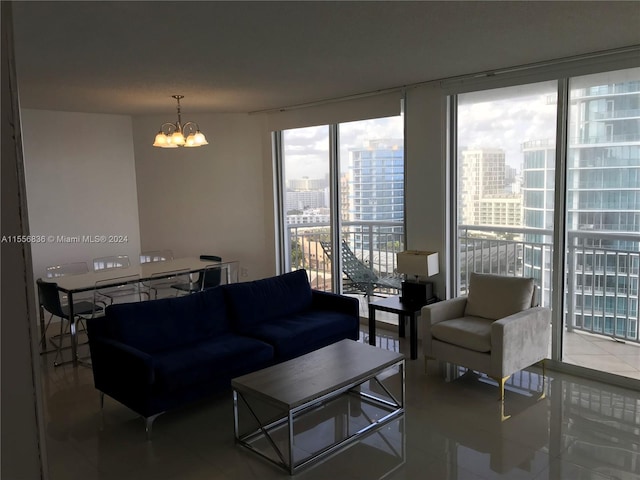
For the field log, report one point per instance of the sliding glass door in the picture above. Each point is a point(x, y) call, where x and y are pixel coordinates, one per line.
point(505, 183)
point(603, 222)
point(515, 179)
point(343, 191)
point(306, 202)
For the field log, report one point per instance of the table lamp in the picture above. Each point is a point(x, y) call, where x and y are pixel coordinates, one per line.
point(415, 265)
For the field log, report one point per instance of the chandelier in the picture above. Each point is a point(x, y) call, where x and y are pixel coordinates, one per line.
point(172, 135)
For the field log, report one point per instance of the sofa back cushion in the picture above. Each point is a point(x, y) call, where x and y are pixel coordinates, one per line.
point(267, 299)
point(167, 323)
point(497, 296)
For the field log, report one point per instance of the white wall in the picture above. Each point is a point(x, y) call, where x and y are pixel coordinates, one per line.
point(426, 186)
point(207, 200)
point(80, 179)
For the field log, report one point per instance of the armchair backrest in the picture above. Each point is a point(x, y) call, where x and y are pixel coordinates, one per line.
point(498, 296)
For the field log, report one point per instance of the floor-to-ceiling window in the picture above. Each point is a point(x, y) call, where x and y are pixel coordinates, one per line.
point(513, 164)
point(506, 162)
point(603, 222)
point(343, 190)
point(306, 201)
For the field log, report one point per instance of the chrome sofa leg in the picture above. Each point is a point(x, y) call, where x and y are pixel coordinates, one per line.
point(148, 424)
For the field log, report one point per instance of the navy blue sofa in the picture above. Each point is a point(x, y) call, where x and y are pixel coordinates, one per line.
point(157, 355)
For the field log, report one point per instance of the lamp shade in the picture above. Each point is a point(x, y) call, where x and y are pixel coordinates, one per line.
point(417, 262)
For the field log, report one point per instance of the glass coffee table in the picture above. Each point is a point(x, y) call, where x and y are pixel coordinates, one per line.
point(273, 407)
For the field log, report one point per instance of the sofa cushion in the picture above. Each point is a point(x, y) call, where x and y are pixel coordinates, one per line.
point(497, 296)
point(473, 333)
point(224, 356)
point(300, 333)
point(162, 324)
point(268, 299)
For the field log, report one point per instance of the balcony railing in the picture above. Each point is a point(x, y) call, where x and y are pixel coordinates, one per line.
point(374, 243)
point(603, 268)
point(602, 272)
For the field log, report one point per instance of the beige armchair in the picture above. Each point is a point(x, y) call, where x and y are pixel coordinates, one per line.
point(497, 329)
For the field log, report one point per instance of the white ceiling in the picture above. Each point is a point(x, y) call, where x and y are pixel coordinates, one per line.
point(130, 57)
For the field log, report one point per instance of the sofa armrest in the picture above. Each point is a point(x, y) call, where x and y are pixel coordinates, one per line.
point(332, 301)
point(436, 313)
point(520, 340)
point(117, 364)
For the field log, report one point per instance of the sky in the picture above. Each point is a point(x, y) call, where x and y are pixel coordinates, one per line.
point(307, 149)
point(501, 118)
point(506, 118)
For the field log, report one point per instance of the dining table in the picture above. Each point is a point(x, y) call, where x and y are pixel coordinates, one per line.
point(71, 285)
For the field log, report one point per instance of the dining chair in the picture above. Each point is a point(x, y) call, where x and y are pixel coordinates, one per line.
point(49, 299)
point(208, 278)
point(156, 256)
point(112, 263)
point(161, 284)
point(57, 271)
point(109, 262)
point(126, 288)
point(74, 268)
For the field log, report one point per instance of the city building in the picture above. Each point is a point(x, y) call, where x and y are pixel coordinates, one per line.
point(483, 177)
point(376, 188)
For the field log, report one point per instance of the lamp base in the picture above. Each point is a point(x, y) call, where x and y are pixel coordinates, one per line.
point(416, 292)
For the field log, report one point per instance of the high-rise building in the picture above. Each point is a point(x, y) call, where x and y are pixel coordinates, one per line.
point(485, 198)
point(538, 173)
point(376, 186)
point(602, 207)
point(305, 199)
point(603, 204)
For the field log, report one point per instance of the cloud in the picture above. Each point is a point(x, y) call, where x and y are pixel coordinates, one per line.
point(506, 122)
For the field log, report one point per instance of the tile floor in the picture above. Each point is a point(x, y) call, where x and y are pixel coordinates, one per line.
point(455, 429)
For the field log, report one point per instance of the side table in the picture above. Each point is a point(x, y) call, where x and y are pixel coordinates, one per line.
point(403, 310)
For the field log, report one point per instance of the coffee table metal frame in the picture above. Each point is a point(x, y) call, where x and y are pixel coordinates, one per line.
point(391, 404)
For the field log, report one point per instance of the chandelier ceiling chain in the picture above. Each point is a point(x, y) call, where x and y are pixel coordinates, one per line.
point(171, 135)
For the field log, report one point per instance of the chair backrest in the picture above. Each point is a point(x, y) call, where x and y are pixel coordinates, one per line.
point(115, 261)
point(352, 267)
point(156, 256)
point(110, 284)
point(211, 276)
point(74, 268)
point(49, 297)
point(497, 296)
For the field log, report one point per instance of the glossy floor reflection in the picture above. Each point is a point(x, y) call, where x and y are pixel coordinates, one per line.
point(579, 429)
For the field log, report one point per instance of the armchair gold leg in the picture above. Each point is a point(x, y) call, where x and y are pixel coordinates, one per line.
point(544, 380)
point(501, 382)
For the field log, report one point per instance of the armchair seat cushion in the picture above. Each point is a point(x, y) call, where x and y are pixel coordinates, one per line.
point(473, 333)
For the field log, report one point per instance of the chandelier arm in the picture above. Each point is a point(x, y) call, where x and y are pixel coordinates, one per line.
point(171, 127)
point(191, 126)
